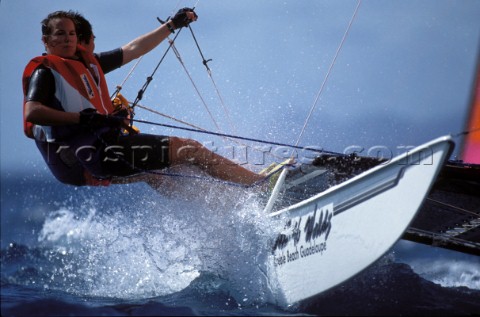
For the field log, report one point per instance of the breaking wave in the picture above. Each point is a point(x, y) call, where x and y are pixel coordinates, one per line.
point(158, 246)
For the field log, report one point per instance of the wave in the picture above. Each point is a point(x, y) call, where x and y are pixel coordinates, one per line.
point(386, 288)
point(154, 246)
point(449, 273)
point(128, 249)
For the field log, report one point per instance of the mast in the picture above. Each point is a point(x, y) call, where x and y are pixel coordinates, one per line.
point(471, 143)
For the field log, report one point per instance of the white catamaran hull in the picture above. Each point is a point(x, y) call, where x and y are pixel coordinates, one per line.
point(336, 234)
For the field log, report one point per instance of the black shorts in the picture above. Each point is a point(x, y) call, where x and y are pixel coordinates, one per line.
point(127, 155)
point(62, 162)
point(118, 155)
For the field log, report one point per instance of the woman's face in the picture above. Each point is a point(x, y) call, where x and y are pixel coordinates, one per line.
point(63, 39)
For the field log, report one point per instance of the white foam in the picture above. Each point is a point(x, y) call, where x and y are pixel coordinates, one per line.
point(144, 250)
point(449, 272)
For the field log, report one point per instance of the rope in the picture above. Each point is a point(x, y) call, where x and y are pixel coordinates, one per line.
point(198, 129)
point(177, 54)
point(150, 78)
point(205, 130)
point(238, 137)
point(170, 117)
point(155, 172)
point(119, 87)
point(465, 211)
point(328, 73)
point(209, 72)
point(474, 130)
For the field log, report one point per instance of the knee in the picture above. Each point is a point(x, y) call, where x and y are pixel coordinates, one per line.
point(181, 144)
point(184, 150)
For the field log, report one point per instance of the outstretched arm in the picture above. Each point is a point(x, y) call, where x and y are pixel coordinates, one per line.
point(147, 42)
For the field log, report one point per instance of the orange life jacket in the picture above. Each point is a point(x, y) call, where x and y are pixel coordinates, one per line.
point(78, 86)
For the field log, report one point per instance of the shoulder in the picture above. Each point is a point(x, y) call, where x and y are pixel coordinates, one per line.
point(47, 61)
point(40, 86)
point(42, 74)
point(110, 60)
point(33, 64)
point(36, 67)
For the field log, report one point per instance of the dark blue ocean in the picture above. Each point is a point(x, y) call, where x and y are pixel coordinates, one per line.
point(195, 249)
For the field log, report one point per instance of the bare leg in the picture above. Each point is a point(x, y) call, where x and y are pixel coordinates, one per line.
point(192, 152)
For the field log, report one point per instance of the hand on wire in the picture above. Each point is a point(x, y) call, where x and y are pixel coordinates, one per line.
point(184, 17)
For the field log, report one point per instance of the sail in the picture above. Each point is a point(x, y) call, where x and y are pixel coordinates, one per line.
point(471, 143)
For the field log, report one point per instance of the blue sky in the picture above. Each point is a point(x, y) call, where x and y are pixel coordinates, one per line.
point(402, 77)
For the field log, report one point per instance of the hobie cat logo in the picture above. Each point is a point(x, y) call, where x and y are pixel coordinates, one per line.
point(304, 236)
point(88, 87)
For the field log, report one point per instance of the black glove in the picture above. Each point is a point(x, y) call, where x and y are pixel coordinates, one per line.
point(91, 118)
point(121, 114)
point(181, 19)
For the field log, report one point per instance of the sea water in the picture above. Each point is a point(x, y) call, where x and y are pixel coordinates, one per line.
point(194, 248)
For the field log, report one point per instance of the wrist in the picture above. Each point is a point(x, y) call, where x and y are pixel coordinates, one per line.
point(77, 117)
point(171, 26)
